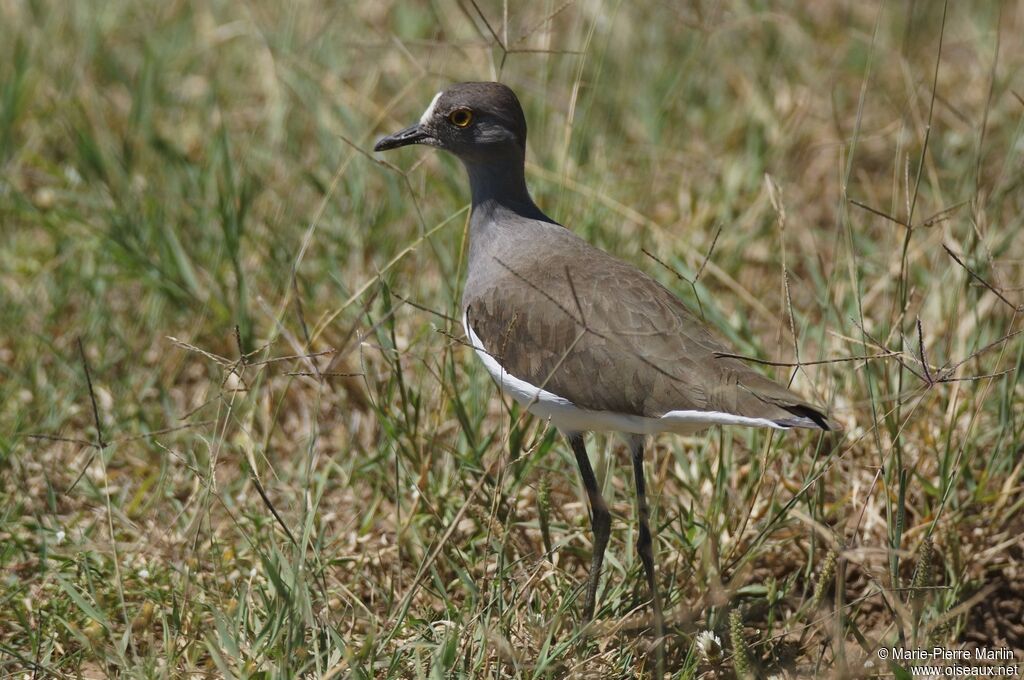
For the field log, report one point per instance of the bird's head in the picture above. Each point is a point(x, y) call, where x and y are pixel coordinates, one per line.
point(474, 121)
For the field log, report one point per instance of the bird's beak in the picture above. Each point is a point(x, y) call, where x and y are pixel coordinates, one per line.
point(410, 135)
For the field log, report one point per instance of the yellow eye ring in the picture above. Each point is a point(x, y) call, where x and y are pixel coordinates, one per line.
point(460, 117)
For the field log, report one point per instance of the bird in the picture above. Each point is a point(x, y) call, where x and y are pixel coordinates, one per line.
point(580, 338)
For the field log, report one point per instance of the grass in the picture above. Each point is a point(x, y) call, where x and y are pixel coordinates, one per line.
point(314, 477)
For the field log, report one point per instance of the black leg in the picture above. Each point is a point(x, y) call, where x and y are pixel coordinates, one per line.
point(600, 521)
point(644, 543)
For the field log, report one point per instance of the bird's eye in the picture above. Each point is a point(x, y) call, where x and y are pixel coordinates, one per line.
point(460, 117)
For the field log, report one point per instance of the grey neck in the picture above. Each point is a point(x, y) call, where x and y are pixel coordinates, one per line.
point(498, 184)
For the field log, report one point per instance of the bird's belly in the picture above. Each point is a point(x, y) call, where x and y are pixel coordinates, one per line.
point(568, 417)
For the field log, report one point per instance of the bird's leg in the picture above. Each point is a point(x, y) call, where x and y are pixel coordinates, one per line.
point(644, 544)
point(600, 521)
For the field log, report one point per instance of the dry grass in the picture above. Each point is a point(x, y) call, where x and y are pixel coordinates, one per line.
point(316, 477)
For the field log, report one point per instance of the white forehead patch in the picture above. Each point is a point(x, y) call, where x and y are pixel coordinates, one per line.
point(429, 113)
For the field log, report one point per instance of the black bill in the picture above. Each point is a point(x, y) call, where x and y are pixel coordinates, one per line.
point(410, 135)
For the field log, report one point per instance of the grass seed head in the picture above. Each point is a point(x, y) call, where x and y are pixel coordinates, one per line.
point(741, 656)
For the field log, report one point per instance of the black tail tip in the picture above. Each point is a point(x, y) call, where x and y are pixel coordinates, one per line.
point(809, 418)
